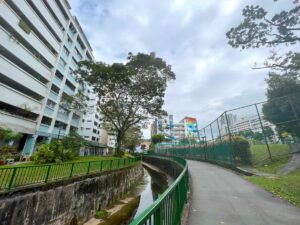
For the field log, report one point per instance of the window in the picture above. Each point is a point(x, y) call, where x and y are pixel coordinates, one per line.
point(66, 51)
point(50, 104)
point(88, 128)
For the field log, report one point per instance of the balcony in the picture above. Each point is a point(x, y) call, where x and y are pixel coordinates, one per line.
point(68, 45)
point(64, 56)
point(58, 13)
point(13, 19)
point(18, 99)
point(36, 21)
point(57, 81)
point(68, 90)
point(44, 128)
point(58, 131)
point(19, 75)
point(17, 123)
point(23, 54)
point(61, 68)
point(53, 95)
point(63, 117)
point(75, 122)
point(71, 34)
point(71, 78)
point(49, 111)
point(45, 12)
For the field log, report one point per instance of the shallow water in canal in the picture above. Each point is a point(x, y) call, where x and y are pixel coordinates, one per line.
point(154, 186)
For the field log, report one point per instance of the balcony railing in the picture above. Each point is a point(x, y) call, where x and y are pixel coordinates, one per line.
point(58, 131)
point(44, 128)
point(63, 116)
point(71, 34)
point(64, 55)
point(53, 95)
point(61, 68)
point(68, 90)
point(75, 122)
point(69, 45)
point(57, 81)
point(49, 111)
point(71, 78)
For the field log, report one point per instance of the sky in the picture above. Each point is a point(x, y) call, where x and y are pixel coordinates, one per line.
point(211, 76)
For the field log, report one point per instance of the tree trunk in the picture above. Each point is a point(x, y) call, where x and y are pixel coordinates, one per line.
point(119, 143)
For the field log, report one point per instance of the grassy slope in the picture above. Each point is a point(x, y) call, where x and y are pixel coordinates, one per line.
point(260, 157)
point(287, 187)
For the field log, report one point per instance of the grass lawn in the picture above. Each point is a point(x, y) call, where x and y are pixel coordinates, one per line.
point(80, 159)
point(286, 187)
point(260, 155)
point(274, 166)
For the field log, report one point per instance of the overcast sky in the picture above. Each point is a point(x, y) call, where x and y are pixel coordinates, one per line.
point(189, 35)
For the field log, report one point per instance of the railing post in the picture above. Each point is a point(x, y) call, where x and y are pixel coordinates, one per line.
point(71, 172)
point(101, 166)
point(111, 163)
point(12, 178)
point(157, 218)
point(263, 131)
point(47, 174)
point(89, 167)
point(118, 163)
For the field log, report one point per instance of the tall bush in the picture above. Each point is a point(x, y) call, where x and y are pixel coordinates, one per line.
point(241, 150)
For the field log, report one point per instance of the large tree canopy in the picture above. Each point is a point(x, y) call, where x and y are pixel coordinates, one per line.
point(128, 93)
point(283, 105)
point(258, 29)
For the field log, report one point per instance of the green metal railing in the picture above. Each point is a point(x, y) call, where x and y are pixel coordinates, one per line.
point(22, 176)
point(222, 152)
point(168, 208)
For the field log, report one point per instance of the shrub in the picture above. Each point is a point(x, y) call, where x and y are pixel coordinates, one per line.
point(58, 150)
point(44, 154)
point(241, 150)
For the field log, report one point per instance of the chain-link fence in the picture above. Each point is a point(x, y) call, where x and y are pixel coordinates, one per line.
point(250, 135)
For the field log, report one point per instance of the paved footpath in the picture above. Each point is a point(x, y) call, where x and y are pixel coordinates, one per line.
point(220, 196)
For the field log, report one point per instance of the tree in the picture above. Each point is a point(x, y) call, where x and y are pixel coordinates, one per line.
point(158, 138)
point(129, 93)
point(259, 29)
point(269, 133)
point(132, 138)
point(283, 102)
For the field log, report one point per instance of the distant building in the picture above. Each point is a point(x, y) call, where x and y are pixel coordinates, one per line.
point(186, 128)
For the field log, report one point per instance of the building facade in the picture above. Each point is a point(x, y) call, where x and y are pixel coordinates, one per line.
point(41, 43)
point(185, 128)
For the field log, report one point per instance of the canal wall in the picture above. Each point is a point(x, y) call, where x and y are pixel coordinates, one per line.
point(166, 165)
point(69, 202)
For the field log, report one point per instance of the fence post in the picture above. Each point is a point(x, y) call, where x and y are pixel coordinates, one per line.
point(230, 139)
point(89, 167)
point(47, 174)
point(205, 145)
point(111, 163)
point(101, 166)
point(12, 178)
point(71, 172)
point(263, 130)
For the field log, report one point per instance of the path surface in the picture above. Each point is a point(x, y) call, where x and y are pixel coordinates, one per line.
point(219, 196)
point(294, 162)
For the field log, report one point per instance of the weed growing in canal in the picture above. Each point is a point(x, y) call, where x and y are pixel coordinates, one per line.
point(101, 214)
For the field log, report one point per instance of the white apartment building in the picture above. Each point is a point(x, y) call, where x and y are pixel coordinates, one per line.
point(41, 44)
point(250, 123)
point(90, 127)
